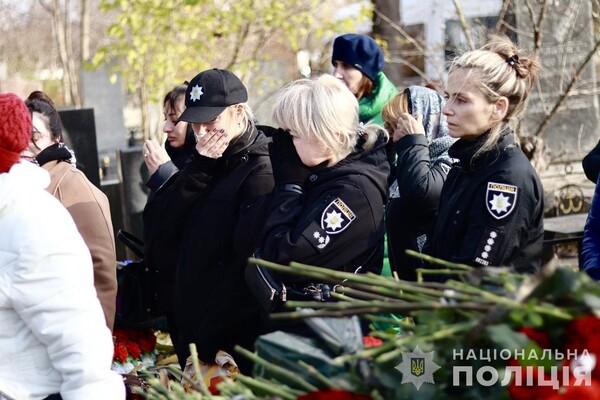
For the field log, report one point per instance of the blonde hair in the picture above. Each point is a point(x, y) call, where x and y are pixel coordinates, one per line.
point(324, 110)
point(391, 111)
point(502, 70)
point(247, 115)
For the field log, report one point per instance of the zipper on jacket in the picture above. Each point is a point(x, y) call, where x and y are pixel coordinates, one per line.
point(273, 291)
point(283, 293)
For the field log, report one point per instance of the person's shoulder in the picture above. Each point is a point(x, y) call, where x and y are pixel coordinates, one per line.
point(74, 183)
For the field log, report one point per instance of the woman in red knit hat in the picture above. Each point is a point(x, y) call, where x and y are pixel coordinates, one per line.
point(54, 343)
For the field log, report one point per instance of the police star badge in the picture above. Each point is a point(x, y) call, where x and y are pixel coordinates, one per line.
point(336, 217)
point(501, 199)
point(196, 93)
point(417, 367)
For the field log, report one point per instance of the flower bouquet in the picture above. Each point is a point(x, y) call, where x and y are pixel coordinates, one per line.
point(477, 333)
point(135, 349)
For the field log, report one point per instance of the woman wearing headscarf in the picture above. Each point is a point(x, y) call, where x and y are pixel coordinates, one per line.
point(419, 132)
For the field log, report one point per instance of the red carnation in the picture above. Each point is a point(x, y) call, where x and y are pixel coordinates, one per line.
point(370, 341)
point(121, 353)
point(134, 350)
point(148, 343)
point(582, 334)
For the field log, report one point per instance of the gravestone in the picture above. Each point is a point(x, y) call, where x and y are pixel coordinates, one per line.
point(567, 39)
point(80, 132)
point(134, 192)
point(106, 99)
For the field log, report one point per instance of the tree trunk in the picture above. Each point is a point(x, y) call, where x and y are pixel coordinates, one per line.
point(383, 30)
point(85, 30)
point(72, 69)
point(59, 32)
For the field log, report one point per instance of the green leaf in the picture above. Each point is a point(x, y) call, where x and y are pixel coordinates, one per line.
point(504, 337)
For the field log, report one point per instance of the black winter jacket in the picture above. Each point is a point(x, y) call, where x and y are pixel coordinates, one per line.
point(410, 217)
point(160, 250)
point(491, 208)
point(338, 222)
point(208, 208)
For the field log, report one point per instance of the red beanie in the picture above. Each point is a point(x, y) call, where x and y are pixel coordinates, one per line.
point(15, 130)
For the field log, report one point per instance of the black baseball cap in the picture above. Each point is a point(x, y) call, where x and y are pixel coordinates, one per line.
point(209, 93)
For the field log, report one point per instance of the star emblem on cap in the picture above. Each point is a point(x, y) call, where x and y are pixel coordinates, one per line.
point(196, 93)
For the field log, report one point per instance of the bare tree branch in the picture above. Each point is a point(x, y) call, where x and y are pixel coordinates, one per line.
point(241, 39)
point(503, 12)
point(538, 28)
point(45, 5)
point(410, 39)
point(567, 92)
point(401, 31)
point(463, 24)
point(416, 69)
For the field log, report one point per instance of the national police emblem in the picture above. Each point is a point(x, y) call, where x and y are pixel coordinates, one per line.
point(417, 367)
point(336, 217)
point(501, 199)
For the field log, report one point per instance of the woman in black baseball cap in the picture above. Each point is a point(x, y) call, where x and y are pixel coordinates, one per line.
point(209, 209)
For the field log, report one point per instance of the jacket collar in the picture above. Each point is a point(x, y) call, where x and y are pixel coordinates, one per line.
point(372, 163)
point(369, 107)
point(465, 150)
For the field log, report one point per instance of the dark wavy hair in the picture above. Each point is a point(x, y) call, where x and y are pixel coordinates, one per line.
point(40, 103)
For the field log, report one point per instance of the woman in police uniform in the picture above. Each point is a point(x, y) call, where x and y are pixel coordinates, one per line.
point(491, 206)
point(330, 175)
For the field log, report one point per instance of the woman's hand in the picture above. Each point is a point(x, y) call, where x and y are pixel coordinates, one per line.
point(154, 155)
point(408, 125)
point(213, 144)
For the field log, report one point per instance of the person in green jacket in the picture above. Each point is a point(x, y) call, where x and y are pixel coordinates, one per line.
point(358, 61)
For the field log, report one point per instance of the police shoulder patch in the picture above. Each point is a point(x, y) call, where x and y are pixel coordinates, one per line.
point(488, 246)
point(501, 199)
point(336, 217)
point(316, 236)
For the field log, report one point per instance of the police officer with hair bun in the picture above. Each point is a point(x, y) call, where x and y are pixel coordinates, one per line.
point(491, 205)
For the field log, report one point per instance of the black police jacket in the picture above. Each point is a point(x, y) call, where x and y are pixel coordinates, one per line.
point(411, 213)
point(337, 222)
point(491, 208)
point(208, 208)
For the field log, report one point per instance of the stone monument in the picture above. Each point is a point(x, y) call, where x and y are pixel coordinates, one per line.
point(106, 99)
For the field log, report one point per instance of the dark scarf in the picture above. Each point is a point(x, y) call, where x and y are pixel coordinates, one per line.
point(180, 155)
point(57, 151)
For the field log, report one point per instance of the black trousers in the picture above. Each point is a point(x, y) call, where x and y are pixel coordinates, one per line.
point(53, 397)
